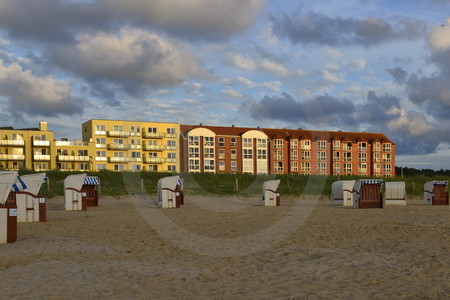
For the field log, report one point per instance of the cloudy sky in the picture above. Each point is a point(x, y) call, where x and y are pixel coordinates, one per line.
point(351, 65)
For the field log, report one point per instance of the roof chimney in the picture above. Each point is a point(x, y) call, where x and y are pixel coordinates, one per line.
point(43, 126)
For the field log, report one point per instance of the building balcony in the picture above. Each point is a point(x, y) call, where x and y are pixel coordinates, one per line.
point(114, 159)
point(171, 135)
point(116, 133)
point(12, 157)
point(100, 132)
point(171, 148)
point(71, 143)
point(154, 135)
point(154, 160)
point(134, 146)
point(41, 143)
point(12, 143)
point(98, 158)
point(172, 160)
point(73, 158)
point(115, 146)
point(100, 146)
point(154, 147)
point(135, 159)
point(40, 157)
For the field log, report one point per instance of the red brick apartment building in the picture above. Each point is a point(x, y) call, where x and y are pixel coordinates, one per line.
point(232, 149)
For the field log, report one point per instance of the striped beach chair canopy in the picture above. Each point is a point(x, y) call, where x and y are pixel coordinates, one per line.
point(91, 180)
point(440, 182)
point(33, 182)
point(19, 185)
point(372, 181)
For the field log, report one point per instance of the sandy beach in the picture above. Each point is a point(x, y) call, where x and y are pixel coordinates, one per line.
point(230, 248)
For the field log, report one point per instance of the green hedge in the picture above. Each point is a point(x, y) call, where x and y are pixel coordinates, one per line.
point(134, 183)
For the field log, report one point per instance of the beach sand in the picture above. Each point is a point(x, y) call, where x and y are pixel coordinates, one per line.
point(230, 248)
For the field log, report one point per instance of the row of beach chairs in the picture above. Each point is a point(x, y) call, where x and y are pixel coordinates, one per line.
point(368, 193)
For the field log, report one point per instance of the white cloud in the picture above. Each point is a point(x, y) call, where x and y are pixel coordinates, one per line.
point(43, 95)
point(415, 123)
point(242, 62)
point(273, 68)
point(130, 57)
point(439, 38)
point(232, 93)
point(273, 85)
point(249, 64)
point(359, 64)
point(245, 81)
point(332, 67)
point(332, 77)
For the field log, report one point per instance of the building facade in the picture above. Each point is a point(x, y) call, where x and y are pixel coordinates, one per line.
point(133, 145)
point(170, 147)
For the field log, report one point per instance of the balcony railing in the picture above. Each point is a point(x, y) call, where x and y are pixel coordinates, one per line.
point(41, 143)
point(154, 147)
point(73, 158)
point(115, 146)
point(117, 133)
point(100, 146)
point(41, 157)
point(114, 159)
point(154, 135)
point(100, 132)
point(171, 135)
point(12, 157)
point(134, 146)
point(172, 160)
point(171, 148)
point(99, 158)
point(154, 160)
point(71, 143)
point(135, 159)
point(12, 143)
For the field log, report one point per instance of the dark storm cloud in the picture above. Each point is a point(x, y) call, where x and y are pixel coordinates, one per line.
point(57, 20)
point(317, 28)
point(409, 130)
point(319, 109)
point(400, 75)
point(434, 89)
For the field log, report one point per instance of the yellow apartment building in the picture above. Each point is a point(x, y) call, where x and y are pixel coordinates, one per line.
point(28, 148)
point(73, 155)
point(133, 145)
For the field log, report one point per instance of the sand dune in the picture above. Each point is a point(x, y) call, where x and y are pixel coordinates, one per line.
point(232, 248)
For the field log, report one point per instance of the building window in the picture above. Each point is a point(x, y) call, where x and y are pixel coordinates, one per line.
point(233, 166)
point(221, 142)
point(194, 152)
point(233, 142)
point(305, 144)
point(387, 168)
point(321, 167)
point(194, 165)
point(376, 157)
point(362, 168)
point(171, 143)
point(101, 166)
point(171, 168)
point(362, 156)
point(262, 154)
point(247, 143)
point(233, 153)
point(386, 147)
point(278, 155)
point(347, 146)
point(247, 153)
point(118, 141)
point(306, 166)
point(347, 156)
point(221, 165)
point(322, 155)
point(294, 166)
point(209, 165)
point(336, 156)
point(171, 131)
point(100, 141)
point(209, 152)
point(247, 166)
point(336, 145)
point(194, 141)
point(119, 167)
point(294, 154)
point(261, 143)
point(362, 146)
point(208, 141)
point(221, 153)
point(336, 167)
point(101, 153)
point(376, 146)
point(278, 144)
point(347, 167)
point(136, 154)
point(386, 157)
point(294, 144)
point(171, 155)
point(117, 128)
point(135, 167)
point(322, 145)
point(278, 166)
point(99, 127)
point(151, 130)
point(306, 155)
